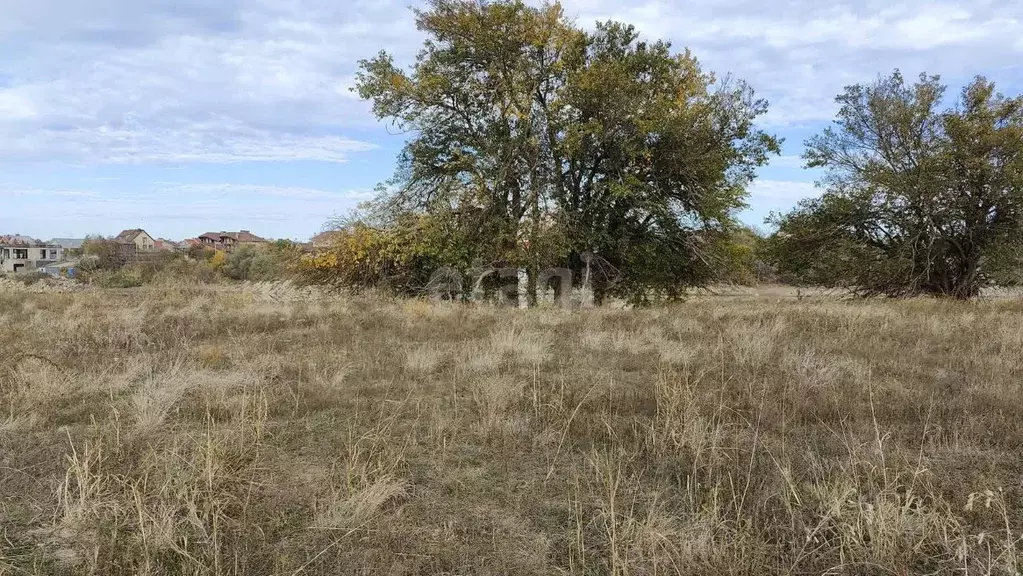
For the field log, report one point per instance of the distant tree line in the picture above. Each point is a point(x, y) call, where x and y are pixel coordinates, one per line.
point(104, 264)
point(534, 143)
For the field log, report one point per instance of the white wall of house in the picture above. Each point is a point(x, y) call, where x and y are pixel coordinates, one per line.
point(145, 243)
point(17, 258)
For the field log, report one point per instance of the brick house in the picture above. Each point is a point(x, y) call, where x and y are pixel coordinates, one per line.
point(228, 241)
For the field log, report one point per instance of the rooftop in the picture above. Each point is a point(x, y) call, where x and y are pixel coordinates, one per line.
point(129, 235)
point(67, 242)
point(240, 236)
point(19, 240)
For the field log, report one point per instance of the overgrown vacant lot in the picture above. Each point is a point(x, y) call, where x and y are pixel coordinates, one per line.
point(185, 431)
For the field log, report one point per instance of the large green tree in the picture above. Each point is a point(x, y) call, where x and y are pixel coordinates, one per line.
point(562, 144)
point(918, 200)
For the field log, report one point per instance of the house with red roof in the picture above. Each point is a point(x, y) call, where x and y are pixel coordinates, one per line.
point(228, 241)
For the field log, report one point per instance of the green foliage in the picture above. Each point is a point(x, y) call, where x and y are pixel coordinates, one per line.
point(539, 143)
point(179, 270)
point(100, 253)
point(740, 257)
point(153, 266)
point(357, 257)
point(101, 264)
point(918, 200)
point(123, 278)
point(217, 261)
point(239, 264)
point(273, 262)
point(401, 256)
point(200, 252)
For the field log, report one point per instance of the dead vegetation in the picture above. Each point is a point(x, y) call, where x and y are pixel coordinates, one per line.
point(201, 432)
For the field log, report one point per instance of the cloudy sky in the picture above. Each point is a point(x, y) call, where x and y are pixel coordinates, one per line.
point(186, 115)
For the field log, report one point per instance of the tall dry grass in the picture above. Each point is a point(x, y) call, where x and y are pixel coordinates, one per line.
point(193, 431)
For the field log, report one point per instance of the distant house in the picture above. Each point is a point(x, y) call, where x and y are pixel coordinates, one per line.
point(132, 242)
point(23, 253)
point(162, 244)
point(140, 238)
point(324, 239)
point(210, 240)
point(187, 243)
point(67, 243)
point(244, 237)
point(228, 241)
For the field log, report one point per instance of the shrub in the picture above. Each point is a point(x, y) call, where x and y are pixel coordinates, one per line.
point(272, 262)
point(100, 254)
point(124, 278)
point(401, 256)
point(30, 278)
point(360, 257)
point(199, 252)
point(740, 257)
point(153, 264)
point(218, 260)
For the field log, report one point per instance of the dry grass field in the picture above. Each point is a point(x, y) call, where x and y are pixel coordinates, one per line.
point(189, 431)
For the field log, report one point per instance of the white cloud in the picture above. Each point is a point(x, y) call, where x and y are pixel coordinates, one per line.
point(10, 191)
point(781, 191)
point(790, 161)
point(161, 81)
point(16, 105)
point(256, 190)
point(801, 53)
point(776, 196)
point(217, 140)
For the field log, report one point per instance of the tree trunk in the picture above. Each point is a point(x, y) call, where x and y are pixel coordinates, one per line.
point(531, 286)
point(523, 289)
point(968, 284)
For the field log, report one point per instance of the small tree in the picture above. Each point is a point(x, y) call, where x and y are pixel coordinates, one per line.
point(738, 257)
point(100, 253)
point(218, 260)
point(271, 262)
point(200, 252)
point(917, 200)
